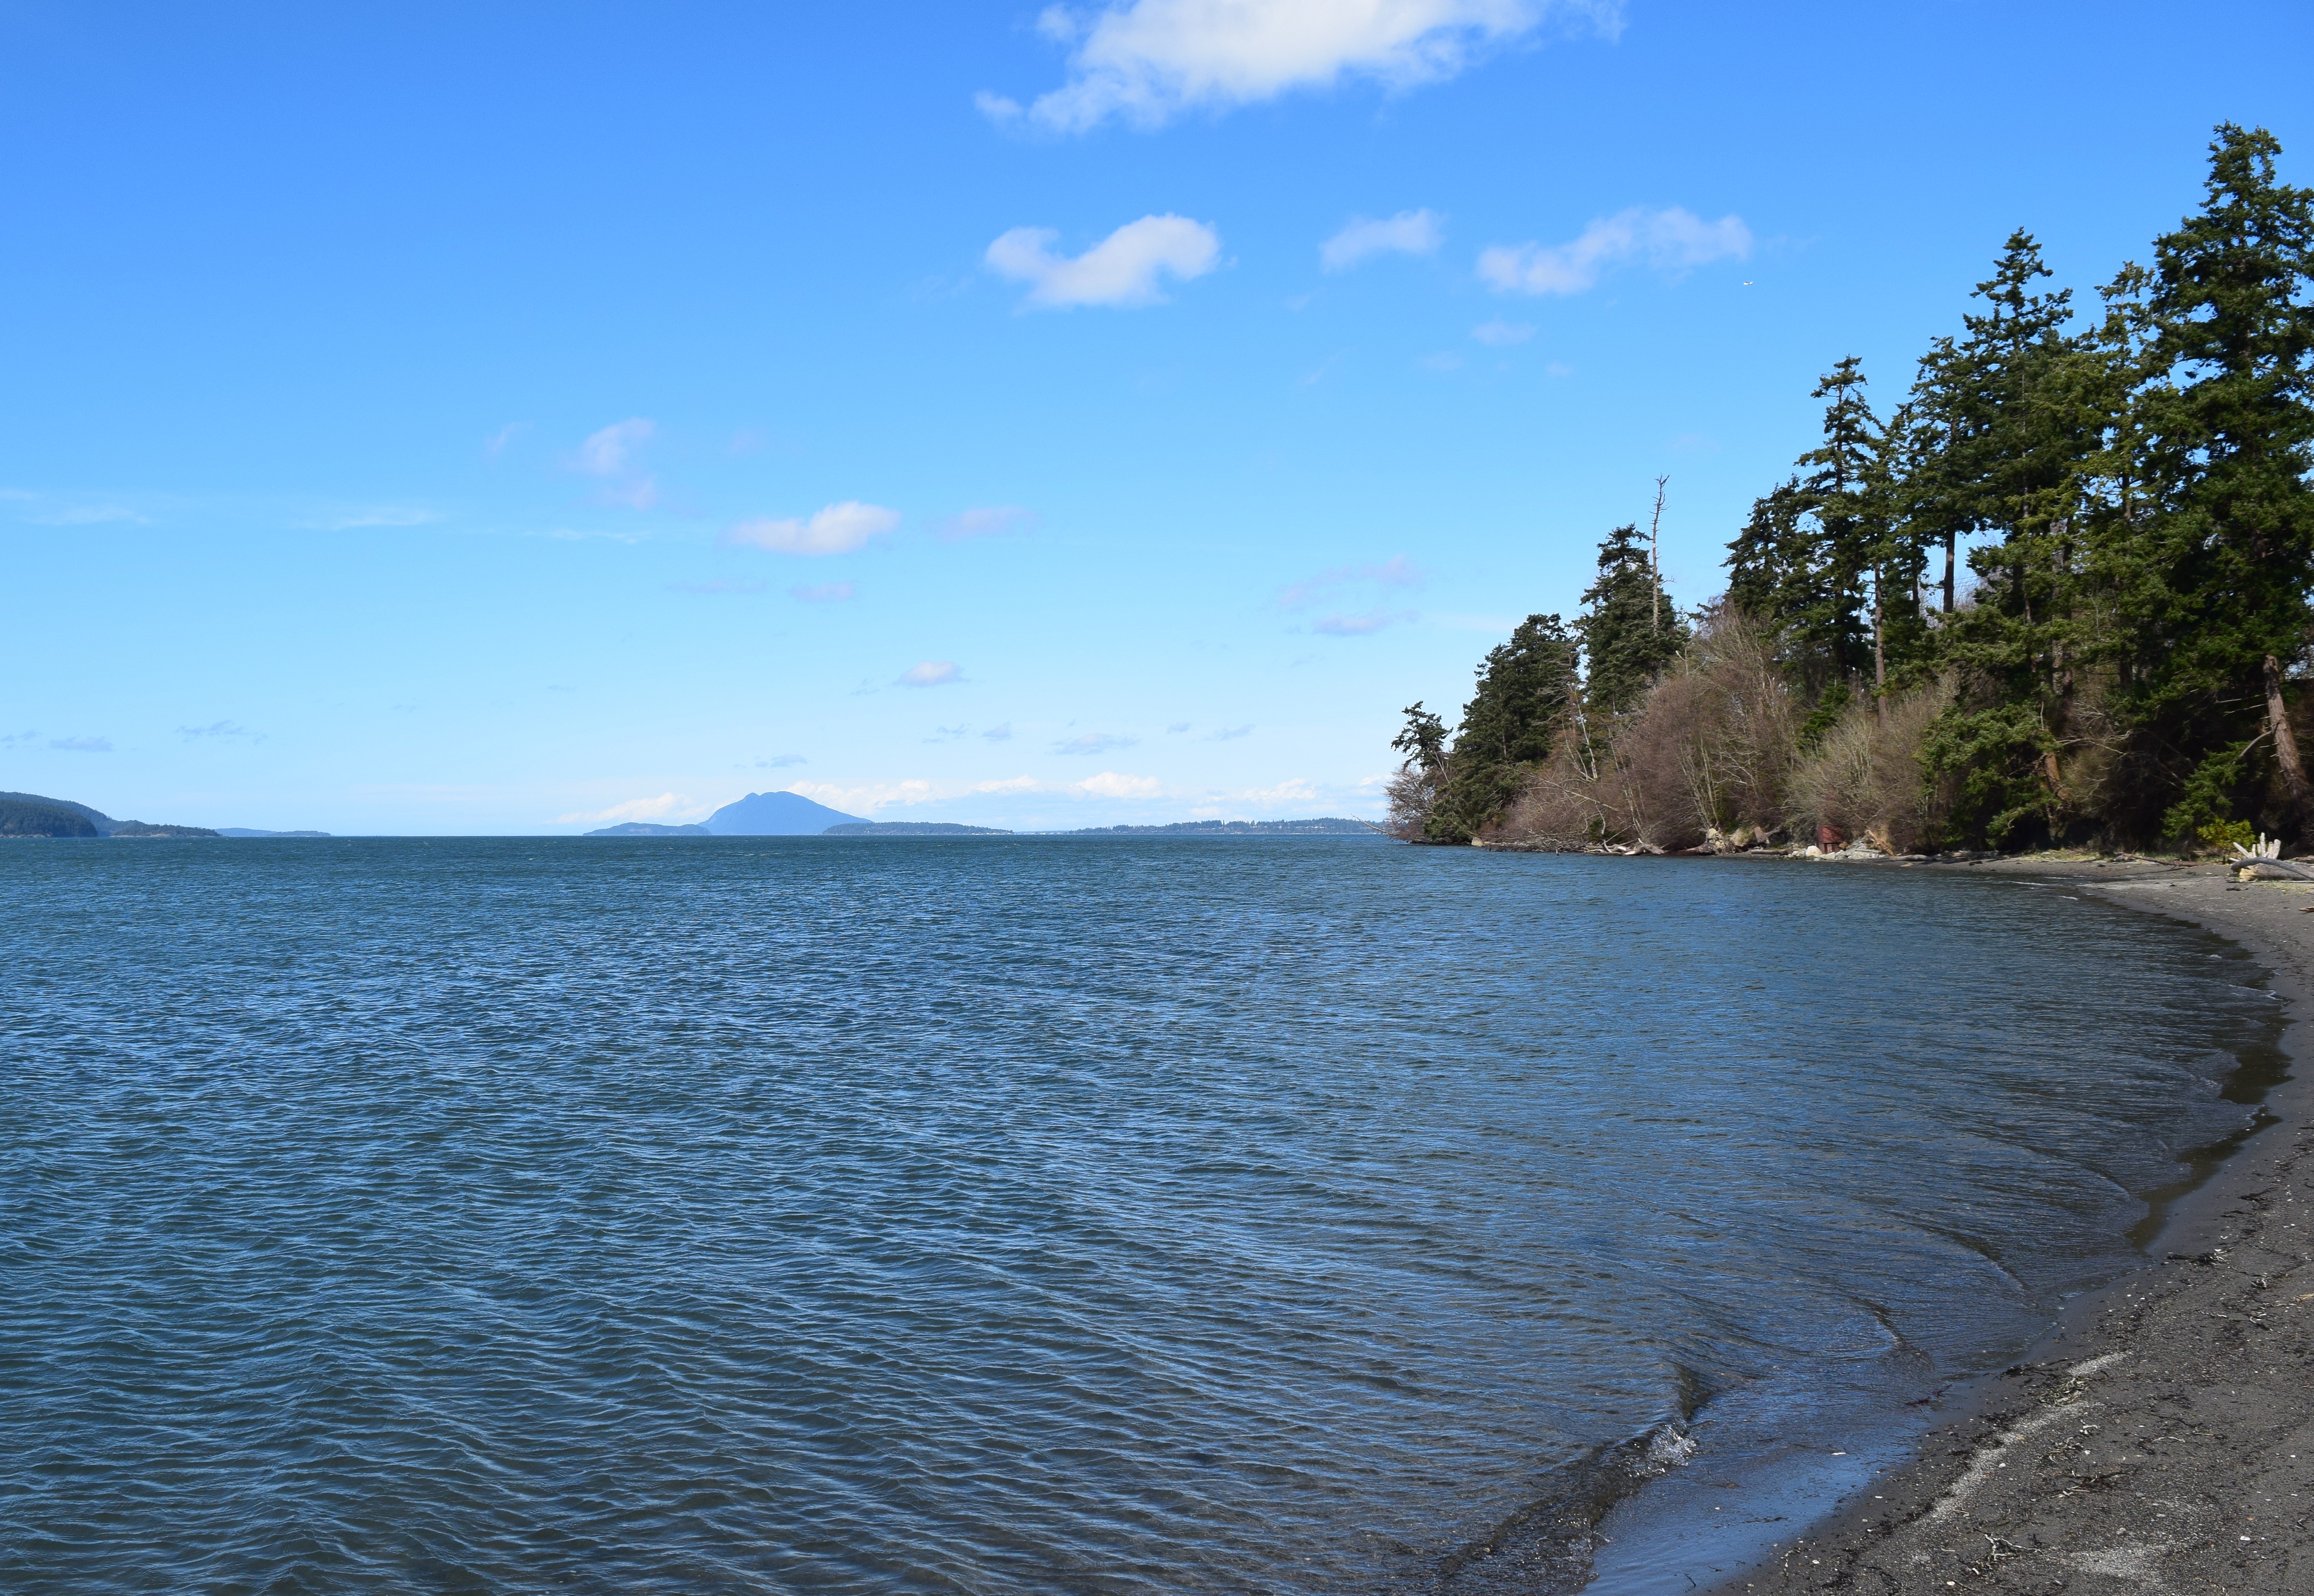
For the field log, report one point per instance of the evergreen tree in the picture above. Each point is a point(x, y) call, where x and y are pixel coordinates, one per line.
point(1525, 697)
point(1627, 638)
point(2016, 414)
point(2216, 591)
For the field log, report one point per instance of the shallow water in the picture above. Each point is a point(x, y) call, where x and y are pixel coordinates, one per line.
point(1035, 1215)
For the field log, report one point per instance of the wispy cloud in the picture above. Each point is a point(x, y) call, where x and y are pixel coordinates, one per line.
point(215, 730)
point(1358, 626)
point(1111, 784)
point(1397, 571)
point(999, 733)
point(947, 734)
point(1671, 240)
point(718, 585)
point(1093, 743)
point(11, 739)
point(780, 762)
point(607, 453)
point(995, 520)
point(667, 808)
point(867, 798)
point(384, 514)
point(1179, 725)
point(822, 593)
point(81, 745)
point(612, 454)
point(495, 444)
point(836, 529)
point(1125, 268)
point(1499, 334)
point(1229, 733)
point(931, 673)
point(1409, 233)
point(1147, 61)
point(88, 514)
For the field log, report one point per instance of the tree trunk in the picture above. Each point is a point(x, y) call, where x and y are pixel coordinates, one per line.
point(1951, 538)
point(2286, 741)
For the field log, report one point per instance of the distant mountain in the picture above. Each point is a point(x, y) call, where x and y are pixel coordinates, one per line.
point(776, 815)
point(41, 818)
point(644, 828)
point(1332, 826)
point(242, 830)
point(911, 828)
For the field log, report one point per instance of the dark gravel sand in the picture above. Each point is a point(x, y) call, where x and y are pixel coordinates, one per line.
point(2161, 1439)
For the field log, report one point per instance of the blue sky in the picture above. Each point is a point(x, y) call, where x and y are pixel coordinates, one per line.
point(513, 418)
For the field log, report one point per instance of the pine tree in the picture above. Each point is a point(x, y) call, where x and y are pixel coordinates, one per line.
point(1525, 698)
point(1627, 642)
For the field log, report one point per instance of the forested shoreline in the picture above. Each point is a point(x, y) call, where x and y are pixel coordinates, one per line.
point(2058, 594)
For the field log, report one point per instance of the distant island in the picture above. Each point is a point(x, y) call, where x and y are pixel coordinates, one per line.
point(911, 828)
point(29, 814)
point(791, 815)
point(242, 830)
point(1331, 826)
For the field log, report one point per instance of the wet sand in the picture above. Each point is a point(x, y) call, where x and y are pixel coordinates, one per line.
point(2160, 1439)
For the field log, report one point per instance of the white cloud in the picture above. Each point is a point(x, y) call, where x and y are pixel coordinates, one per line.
point(866, 799)
point(838, 529)
point(1121, 270)
point(1092, 742)
point(605, 454)
point(823, 593)
point(999, 733)
point(1409, 233)
point(931, 673)
point(1499, 334)
point(1670, 240)
point(1295, 790)
point(1009, 784)
point(1358, 626)
point(668, 807)
point(992, 520)
point(1149, 60)
point(1110, 784)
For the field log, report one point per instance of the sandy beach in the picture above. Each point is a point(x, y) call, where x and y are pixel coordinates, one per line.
point(2160, 1438)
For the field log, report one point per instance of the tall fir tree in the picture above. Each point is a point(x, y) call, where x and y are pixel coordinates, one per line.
point(1627, 638)
point(1525, 698)
point(2216, 591)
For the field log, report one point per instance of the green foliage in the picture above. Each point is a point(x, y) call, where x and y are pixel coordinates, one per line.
point(1525, 698)
point(1424, 739)
point(2208, 798)
point(2221, 834)
point(1629, 635)
point(1831, 704)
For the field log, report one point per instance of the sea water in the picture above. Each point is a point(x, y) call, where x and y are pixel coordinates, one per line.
point(1027, 1215)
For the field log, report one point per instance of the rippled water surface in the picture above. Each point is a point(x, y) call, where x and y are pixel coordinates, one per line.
point(1027, 1215)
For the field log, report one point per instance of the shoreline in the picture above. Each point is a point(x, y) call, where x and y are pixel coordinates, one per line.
point(2159, 1436)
